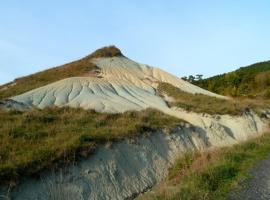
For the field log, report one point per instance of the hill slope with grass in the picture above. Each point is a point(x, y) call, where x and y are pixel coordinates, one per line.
point(250, 81)
point(107, 127)
point(50, 108)
point(77, 68)
point(105, 81)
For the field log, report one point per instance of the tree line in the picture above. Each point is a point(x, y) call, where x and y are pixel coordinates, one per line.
point(251, 81)
point(192, 78)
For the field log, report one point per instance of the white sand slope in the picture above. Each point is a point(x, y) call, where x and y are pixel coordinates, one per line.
point(92, 93)
point(141, 75)
point(125, 85)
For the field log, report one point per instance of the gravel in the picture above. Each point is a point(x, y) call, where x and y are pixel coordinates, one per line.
point(258, 187)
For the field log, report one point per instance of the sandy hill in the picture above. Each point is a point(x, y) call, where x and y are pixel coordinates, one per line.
point(103, 155)
point(105, 81)
point(76, 68)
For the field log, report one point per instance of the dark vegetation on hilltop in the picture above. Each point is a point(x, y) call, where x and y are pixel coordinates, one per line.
point(205, 104)
point(251, 81)
point(76, 68)
point(37, 139)
point(110, 51)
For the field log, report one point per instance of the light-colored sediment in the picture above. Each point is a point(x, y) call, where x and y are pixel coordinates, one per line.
point(126, 168)
point(125, 85)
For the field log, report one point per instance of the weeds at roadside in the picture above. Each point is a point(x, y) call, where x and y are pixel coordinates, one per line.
point(211, 175)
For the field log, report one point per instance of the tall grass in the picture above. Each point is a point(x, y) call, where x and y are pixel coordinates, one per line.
point(212, 175)
point(36, 139)
point(205, 104)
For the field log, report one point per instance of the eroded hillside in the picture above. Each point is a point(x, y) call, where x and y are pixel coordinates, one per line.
point(110, 128)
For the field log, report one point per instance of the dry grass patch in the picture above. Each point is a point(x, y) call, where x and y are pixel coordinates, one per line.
point(37, 139)
point(76, 68)
point(205, 104)
point(40, 79)
point(109, 51)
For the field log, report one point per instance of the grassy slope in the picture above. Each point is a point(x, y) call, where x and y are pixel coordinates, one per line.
point(72, 69)
point(211, 175)
point(35, 139)
point(252, 81)
point(204, 104)
point(38, 139)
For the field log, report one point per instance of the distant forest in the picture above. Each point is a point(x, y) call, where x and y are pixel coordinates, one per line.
point(251, 81)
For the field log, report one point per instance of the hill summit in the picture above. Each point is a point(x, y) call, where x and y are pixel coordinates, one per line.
point(105, 81)
point(72, 69)
point(65, 119)
point(109, 51)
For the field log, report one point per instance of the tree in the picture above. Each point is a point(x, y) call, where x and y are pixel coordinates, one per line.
point(199, 77)
point(191, 78)
point(185, 78)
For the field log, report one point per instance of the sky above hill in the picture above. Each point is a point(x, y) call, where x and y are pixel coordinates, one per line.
point(183, 37)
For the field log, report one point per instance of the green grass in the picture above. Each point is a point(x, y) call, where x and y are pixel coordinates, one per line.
point(36, 139)
point(76, 68)
point(212, 175)
point(205, 104)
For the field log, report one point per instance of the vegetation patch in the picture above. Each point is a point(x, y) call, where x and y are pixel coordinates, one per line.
point(206, 104)
point(76, 68)
point(251, 81)
point(110, 51)
point(36, 139)
point(43, 78)
point(211, 175)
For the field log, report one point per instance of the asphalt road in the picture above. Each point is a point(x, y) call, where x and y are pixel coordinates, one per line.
point(258, 187)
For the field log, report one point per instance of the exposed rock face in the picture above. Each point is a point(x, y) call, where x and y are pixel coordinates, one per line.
point(129, 167)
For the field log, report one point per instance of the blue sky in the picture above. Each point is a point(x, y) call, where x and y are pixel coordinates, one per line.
point(183, 37)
